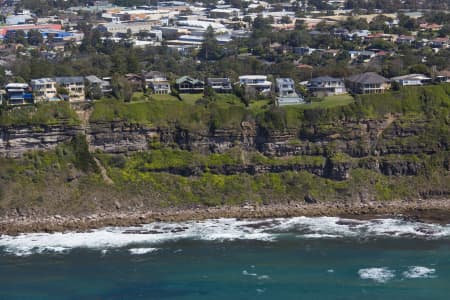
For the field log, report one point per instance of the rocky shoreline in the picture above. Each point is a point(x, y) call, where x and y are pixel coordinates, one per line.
point(436, 211)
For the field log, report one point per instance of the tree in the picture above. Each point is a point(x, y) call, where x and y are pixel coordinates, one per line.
point(353, 24)
point(320, 4)
point(62, 90)
point(247, 19)
point(445, 30)
point(285, 20)
point(343, 56)
point(419, 69)
point(300, 25)
point(16, 37)
point(379, 23)
point(382, 44)
point(209, 93)
point(119, 62)
point(395, 86)
point(261, 26)
point(129, 34)
point(94, 92)
point(143, 34)
point(408, 23)
point(210, 50)
point(34, 37)
point(121, 88)
point(132, 61)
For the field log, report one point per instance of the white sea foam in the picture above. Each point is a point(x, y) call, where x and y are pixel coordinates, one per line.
point(149, 234)
point(264, 277)
point(245, 273)
point(267, 230)
point(380, 275)
point(419, 272)
point(319, 236)
point(140, 251)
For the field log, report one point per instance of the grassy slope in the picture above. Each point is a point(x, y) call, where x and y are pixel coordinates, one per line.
point(41, 114)
point(331, 101)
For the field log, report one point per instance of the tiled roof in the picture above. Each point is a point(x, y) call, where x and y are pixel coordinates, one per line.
point(367, 78)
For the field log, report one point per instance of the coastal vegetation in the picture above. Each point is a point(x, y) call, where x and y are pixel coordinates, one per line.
point(406, 158)
point(39, 114)
point(68, 180)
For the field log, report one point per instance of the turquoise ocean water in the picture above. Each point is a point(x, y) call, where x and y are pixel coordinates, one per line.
point(299, 258)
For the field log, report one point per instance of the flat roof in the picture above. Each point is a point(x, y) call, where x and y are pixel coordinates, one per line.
point(284, 80)
point(42, 80)
point(69, 79)
point(253, 77)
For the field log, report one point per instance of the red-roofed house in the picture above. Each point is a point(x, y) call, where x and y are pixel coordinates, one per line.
point(432, 27)
point(28, 27)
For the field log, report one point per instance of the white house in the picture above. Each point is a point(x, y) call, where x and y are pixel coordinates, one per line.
point(157, 82)
point(74, 86)
point(44, 89)
point(286, 92)
point(326, 86)
point(258, 82)
point(411, 79)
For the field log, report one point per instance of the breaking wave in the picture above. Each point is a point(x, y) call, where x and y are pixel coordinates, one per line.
point(267, 230)
point(140, 251)
point(419, 272)
point(380, 275)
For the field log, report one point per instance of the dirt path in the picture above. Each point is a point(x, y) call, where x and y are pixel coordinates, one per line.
point(389, 120)
point(103, 172)
point(84, 116)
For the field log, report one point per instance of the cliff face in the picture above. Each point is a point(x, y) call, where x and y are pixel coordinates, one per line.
point(119, 137)
point(16, 140)
point(357, 138)
point(383, 141)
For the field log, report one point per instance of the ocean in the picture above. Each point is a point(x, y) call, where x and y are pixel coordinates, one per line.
point(294, 258)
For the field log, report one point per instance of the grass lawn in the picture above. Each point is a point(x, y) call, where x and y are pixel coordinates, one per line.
point(139, 96)
point(162, 97)
point(225, 100)
point(191, 98)
point(259, 105)
point(331, 101)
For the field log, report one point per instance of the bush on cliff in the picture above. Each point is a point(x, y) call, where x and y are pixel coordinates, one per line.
point(83, 159)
